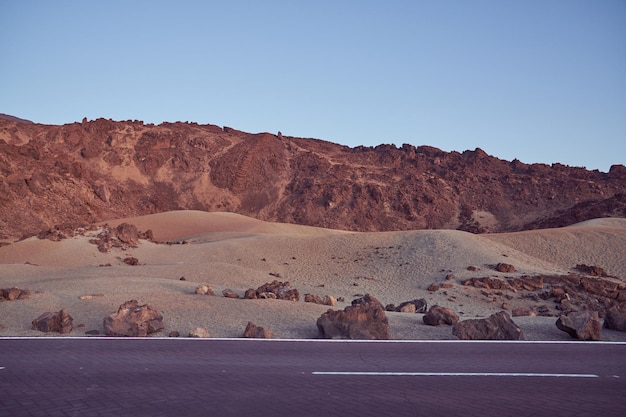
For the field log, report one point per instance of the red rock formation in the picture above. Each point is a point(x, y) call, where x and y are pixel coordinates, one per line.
point(81, 173)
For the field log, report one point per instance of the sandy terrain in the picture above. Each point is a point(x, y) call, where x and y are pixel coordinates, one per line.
point(227, 250)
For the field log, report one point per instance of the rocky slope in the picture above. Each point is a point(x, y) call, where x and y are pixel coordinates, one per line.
point(80, 173)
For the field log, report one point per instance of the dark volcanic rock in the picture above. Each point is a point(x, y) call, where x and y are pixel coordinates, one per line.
point(502, 267)
point(615, 319)
point(282, 291)
point(364, 319)
point(253, 331)
point(438, 315)
point(14, 293)
point(498, 326)
point(594, 270)
point(60, 322)
point(583, 325)
point(132, 319)
point(417, 306)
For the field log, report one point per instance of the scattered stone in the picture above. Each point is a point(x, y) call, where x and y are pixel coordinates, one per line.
point(205, 290)
point(253, 331)
point(90, 296)
point(14, 293)
point(438, 315)
point(473, 268)
point(228, 293)
point(433, 287)
point(93, 332)
point(182, 279)
point(364, 319)
point(250, 294)
point(498, 326)
point(329, 300)
point(132, 261)
point(502, 267)
point(450, 277)
point(582, 325)
point(200, 333)
point(340, 299)
point(173, 334)
point(419, 304)
point(134, 320)
point(60, 322)
point(312, 298)
point(505, 306)
point(615, 319)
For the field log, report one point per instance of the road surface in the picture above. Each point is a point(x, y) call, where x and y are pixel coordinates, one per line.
point(181, 377)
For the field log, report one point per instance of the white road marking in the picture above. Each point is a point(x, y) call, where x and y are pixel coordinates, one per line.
point(508, 374)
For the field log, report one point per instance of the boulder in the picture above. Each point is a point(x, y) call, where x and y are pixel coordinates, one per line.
point(200, 333)
point(312, 298)
point(329, 300)
point(502, 267)
point(205, 290)
point(438, 315)
point(228, 293)
point(13, 293)
point(407, 308)
point(419, 304)
point(134, 320)
point(582, 325)
point(282, 290)
point(128, 233)
point(131, 260)
point(498, 326)
point(254, 331)
point(364, 319)
point(60, 322)
point(251, 294)
point(615, 319)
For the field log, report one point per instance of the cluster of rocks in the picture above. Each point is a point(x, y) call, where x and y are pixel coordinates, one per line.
point(275, 289)
point(64, 231)
point(14, 293)
point(570, 293)
point(123, 237)
point(413, 306)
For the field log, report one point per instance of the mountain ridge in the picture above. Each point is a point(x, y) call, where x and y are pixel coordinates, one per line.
point(80, 173)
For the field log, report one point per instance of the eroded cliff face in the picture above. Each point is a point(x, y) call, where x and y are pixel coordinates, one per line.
point(81, 173)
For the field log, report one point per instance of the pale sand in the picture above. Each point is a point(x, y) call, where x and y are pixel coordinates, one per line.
point(227, 250)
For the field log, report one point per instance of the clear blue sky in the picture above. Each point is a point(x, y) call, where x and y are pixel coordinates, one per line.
point(538, 80)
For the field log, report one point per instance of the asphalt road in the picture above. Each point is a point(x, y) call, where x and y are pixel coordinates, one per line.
point(180, 377)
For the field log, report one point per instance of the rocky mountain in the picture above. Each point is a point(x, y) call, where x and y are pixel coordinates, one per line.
point(80, 173)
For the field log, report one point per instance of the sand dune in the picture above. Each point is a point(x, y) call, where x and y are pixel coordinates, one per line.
point(228, 250)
